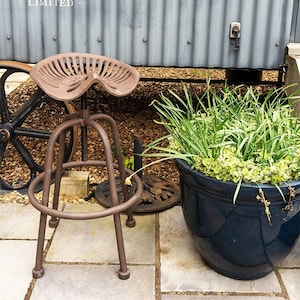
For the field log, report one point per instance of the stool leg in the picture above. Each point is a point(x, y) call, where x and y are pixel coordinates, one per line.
point(130, 222)
point(53, 222)
point(38, 270)
point(123, 273)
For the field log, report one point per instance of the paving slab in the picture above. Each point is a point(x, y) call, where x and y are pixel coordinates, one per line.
point(94, 282)
point(215, 297)
point(16, 263)
point(94, 240)
point(14, 80)
point(293, 259)
point(18, 221)
point(291, 279)
point(182, 268)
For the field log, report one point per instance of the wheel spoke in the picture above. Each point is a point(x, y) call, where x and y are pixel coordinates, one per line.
point(27, 158)
point(34, 133)
point(2, 150)
point(26, 109)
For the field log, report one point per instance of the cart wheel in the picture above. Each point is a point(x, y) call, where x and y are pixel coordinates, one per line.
point(28, 116)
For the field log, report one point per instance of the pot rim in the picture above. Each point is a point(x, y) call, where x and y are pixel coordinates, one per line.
point(245, 187)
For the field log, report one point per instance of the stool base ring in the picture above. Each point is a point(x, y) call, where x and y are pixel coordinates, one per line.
point(90, 215)
point(115, 210)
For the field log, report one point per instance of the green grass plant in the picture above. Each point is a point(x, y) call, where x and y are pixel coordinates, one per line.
point(236, 134)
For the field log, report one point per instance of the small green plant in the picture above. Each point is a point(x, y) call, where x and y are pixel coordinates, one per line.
point(235, 134)
point(129, 163)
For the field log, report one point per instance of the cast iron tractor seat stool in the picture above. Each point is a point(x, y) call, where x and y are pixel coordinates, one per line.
point(66, 77)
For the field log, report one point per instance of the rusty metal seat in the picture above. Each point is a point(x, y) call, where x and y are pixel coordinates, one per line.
point(66, 77)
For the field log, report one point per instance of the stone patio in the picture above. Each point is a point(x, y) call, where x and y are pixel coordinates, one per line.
point(81, 261)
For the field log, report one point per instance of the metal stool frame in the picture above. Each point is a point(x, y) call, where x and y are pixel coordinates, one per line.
point(84, 119)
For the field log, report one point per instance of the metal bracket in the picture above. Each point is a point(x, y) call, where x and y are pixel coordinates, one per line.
point(235, 33)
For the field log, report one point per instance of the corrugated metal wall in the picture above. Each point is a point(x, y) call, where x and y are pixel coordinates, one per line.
point(296, 22)
point(151, 32)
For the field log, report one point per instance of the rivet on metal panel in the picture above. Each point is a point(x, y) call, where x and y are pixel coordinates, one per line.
point(189, 42)
point(54, 38)
point(145, 40)
point(8, 37)
point(99, 40)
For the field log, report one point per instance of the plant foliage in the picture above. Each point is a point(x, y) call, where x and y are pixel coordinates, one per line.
point(234, 134)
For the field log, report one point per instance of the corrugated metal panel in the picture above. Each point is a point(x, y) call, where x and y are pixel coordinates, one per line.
point(151, 32)
point(296, 23)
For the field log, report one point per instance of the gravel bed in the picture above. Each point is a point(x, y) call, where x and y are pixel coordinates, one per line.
point(133, 114)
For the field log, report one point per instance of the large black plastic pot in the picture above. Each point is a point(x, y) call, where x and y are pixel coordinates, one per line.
point(237, 240)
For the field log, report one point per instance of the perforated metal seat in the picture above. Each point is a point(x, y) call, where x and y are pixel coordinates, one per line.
point(66, 77)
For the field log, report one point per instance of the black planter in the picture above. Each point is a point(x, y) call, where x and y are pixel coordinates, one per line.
point(237, 240)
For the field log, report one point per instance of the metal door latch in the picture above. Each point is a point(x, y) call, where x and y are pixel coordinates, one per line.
point(235, 33)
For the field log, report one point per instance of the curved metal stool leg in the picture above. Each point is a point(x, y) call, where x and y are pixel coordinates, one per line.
point(53, 222)
point(123, 272)
point(38, 270)
point(130, 222)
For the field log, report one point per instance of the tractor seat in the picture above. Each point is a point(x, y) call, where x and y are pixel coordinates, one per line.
point(68, 76)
